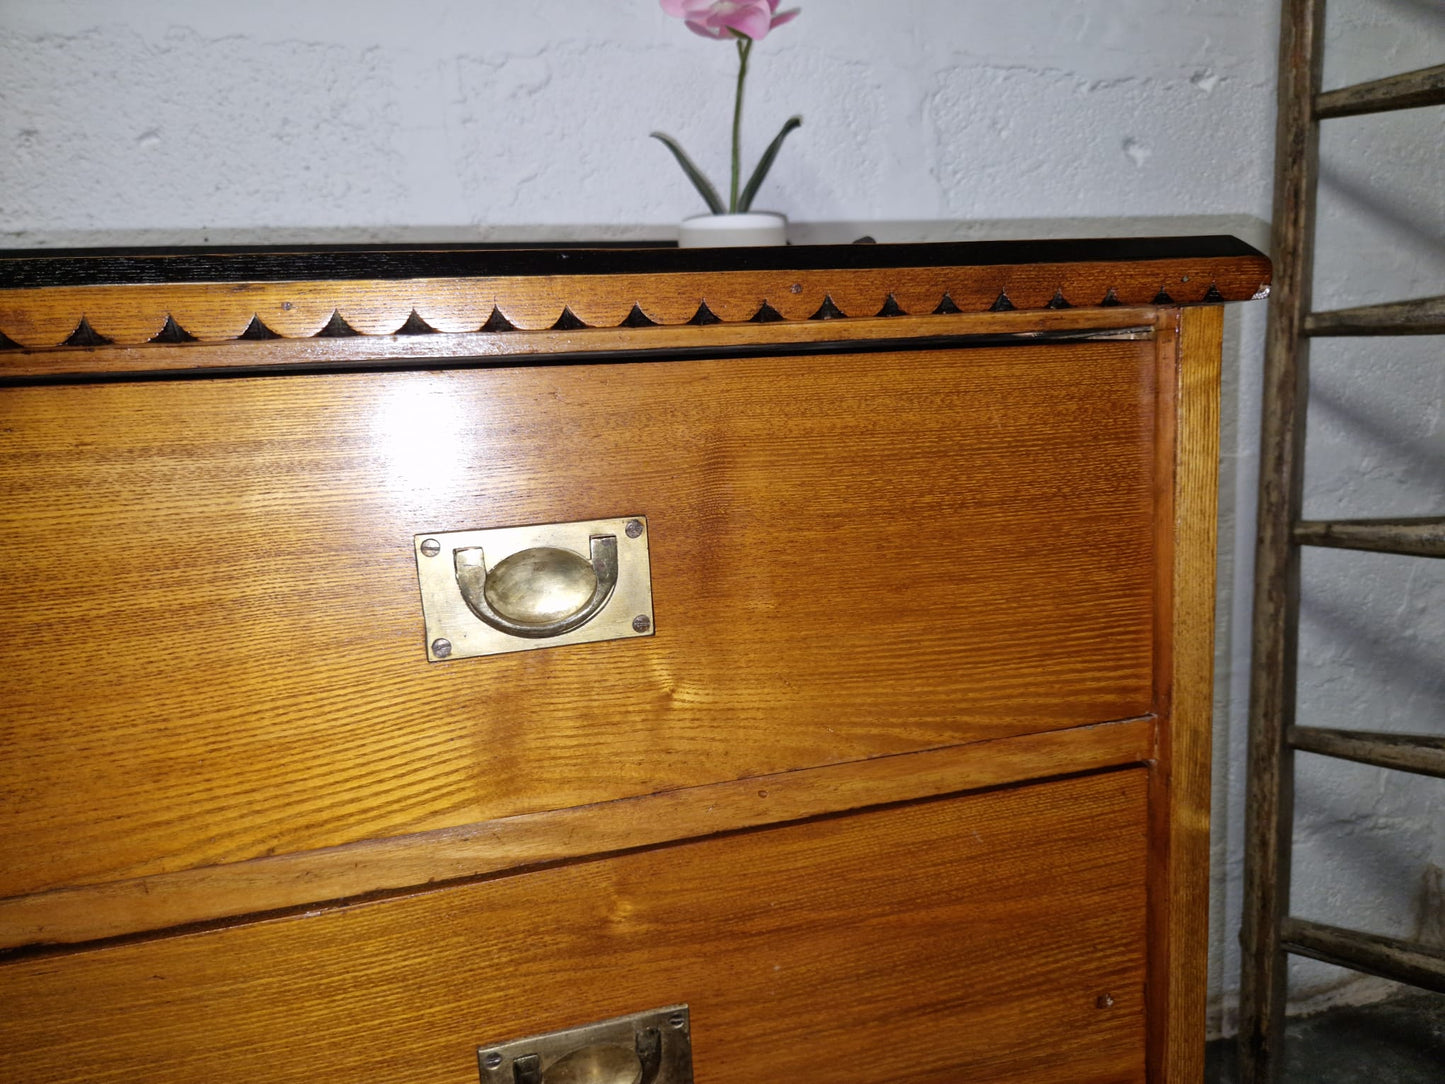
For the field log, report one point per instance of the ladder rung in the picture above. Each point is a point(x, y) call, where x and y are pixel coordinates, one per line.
point(1419, 536)
point(1405, 91)
point(1421, 316)
point(1389, 957)
point(1423, 754)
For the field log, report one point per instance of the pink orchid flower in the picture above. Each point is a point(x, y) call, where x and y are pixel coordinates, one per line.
point(723, 19)
point(743, 22)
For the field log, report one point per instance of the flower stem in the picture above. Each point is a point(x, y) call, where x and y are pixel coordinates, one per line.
point(745, 45)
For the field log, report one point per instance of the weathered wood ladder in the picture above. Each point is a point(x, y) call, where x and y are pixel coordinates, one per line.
point(1269, 933)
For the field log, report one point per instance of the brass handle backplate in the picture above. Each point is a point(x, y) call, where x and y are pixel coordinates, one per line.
point(487, 592)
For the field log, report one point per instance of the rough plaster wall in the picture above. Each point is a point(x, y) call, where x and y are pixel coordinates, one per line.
point(159, 121)
point(185, 116)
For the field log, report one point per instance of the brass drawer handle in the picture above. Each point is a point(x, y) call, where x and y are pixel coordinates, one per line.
point(495, 590)
point(599, 1064)
point(652, 1047)
point(539, 592)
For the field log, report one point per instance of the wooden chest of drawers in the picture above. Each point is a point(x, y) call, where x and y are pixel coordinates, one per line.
point(902, 776)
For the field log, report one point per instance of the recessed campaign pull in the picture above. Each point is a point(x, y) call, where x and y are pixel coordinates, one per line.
point(653, 1047)
point(540, 592)
point(502, 589)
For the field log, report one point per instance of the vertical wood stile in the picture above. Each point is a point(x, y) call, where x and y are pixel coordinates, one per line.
point(1180, 784)
point(1270, 798)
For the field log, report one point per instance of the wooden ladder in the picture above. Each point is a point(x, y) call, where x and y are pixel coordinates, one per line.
point(1269, 932)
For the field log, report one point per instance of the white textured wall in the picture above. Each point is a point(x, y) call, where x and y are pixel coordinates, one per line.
point(164, 121)
point(205, 114)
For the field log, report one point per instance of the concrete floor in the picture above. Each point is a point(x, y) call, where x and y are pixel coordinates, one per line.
point(1400, 1041)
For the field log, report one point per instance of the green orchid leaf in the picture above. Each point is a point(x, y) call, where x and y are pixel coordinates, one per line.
point(695, 175)
point(765, 163)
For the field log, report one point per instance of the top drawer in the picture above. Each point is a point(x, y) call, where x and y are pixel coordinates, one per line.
point(214, 643)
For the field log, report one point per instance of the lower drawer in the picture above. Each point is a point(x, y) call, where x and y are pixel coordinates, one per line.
point(998, 936)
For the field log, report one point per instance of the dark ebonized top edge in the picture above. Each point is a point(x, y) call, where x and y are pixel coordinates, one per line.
point(36, 268)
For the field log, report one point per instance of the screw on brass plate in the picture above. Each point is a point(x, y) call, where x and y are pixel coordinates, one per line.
point(441, 648)
point(431, 547)
point(634, 528)
point(641, 623)
point(677, 1020)
point(492, 1060)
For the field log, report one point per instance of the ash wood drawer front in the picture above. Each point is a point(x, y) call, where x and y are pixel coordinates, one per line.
point(992, 937)
point(214, 643)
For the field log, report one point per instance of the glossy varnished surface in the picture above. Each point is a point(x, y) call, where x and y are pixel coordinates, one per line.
point(1189, 450)
point(563, 346)
point(921, 518)
point(998, 937)
point(55, 920)
point(215, 642)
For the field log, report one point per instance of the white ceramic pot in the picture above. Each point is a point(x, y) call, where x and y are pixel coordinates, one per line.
point(730, 231)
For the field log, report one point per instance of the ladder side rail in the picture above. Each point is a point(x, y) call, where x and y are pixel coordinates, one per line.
point(1270, 789)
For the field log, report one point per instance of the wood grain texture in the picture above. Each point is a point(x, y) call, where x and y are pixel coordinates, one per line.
point(1269, 808)
point(1180, 780)
point(998, 937)
point(903, 547)
point(315, 878)
point(214, 647)
point(47, 316)
point(491, 348)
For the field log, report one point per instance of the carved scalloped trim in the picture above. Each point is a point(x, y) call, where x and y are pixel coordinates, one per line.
point(93, 317)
